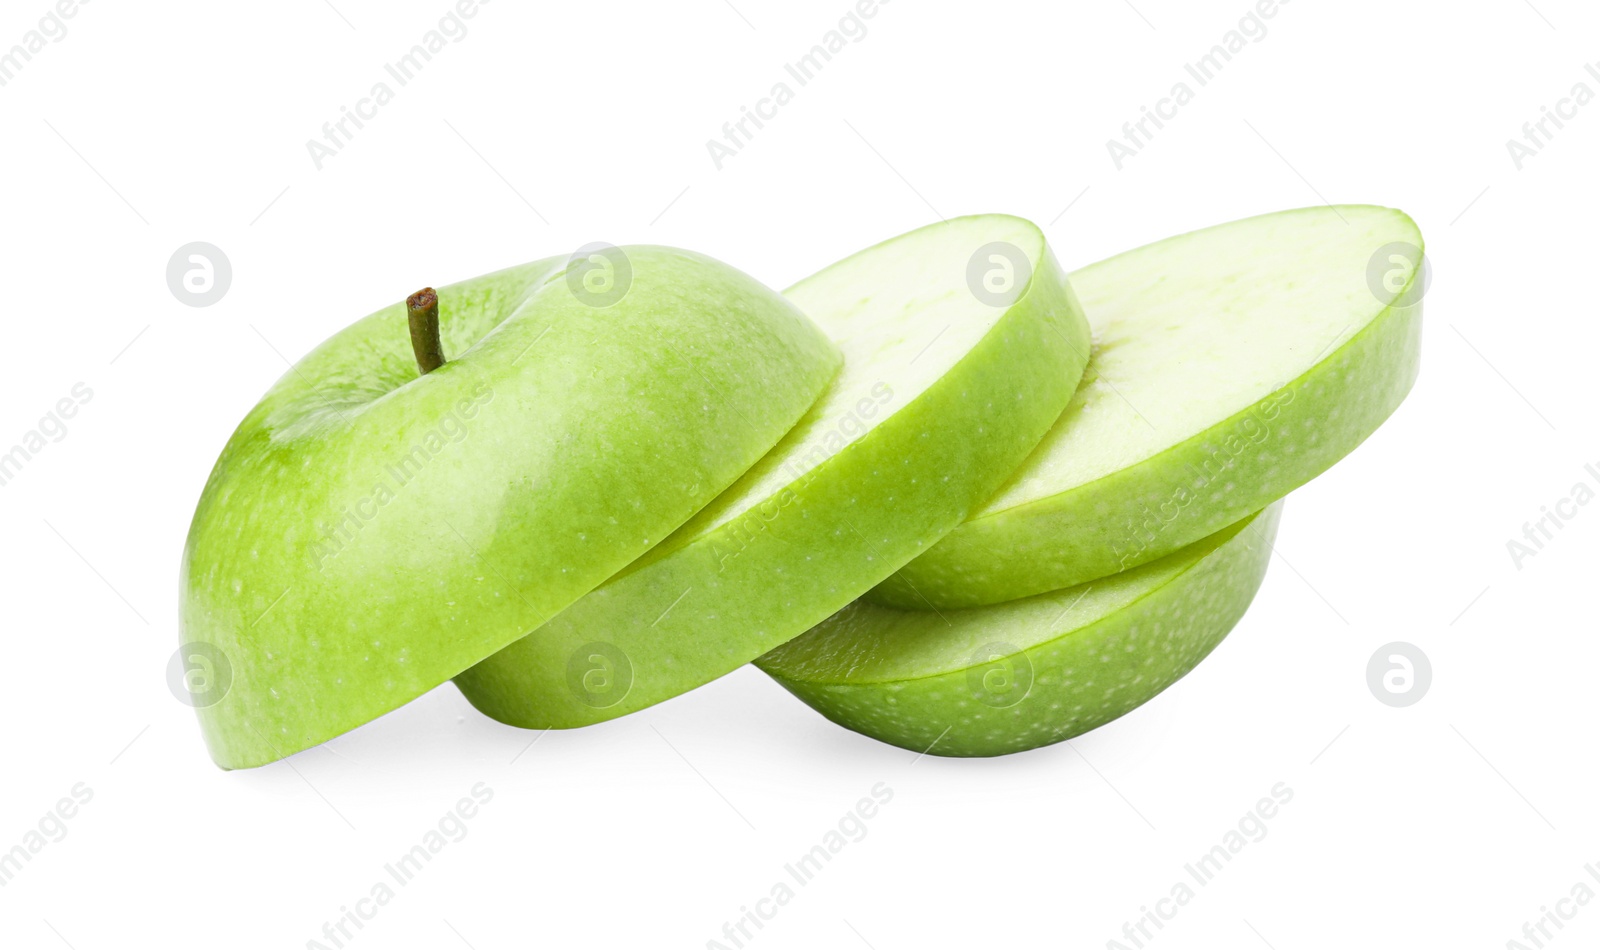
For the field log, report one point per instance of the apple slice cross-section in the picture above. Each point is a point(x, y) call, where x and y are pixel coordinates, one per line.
point(369, 532)
point(1031, 672)
point(1231, 365)
point(962, 344)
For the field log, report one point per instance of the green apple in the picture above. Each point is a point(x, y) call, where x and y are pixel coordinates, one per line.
point(369, 532)
point(1230, 366)
point(1026, 673)
point(962, 343)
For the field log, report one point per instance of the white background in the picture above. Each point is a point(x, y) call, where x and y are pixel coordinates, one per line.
point(1448, 823)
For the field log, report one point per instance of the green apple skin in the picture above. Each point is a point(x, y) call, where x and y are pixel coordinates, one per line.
point(368, 533)
point(1027, 673)
point(971, 389)
point(1132, 471)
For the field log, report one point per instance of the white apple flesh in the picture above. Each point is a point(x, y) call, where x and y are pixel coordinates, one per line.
point(962, 345)
point(1230, 366)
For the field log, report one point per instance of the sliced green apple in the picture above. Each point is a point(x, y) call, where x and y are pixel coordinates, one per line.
point(1230, 366)
point(1027, 673)
point(368, 532)
point(962, 345)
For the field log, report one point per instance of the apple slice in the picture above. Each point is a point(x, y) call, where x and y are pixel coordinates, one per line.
point(368, 532)
point(1027, 673)
point(962, 345)
point(1231, 366)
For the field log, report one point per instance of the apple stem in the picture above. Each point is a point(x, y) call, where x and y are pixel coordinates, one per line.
point(422, 311)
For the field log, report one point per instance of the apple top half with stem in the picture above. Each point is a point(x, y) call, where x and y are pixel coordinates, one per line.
point(390, 514)
point(1231, 366)
point(963, 342)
